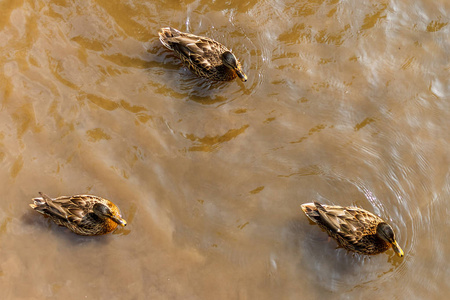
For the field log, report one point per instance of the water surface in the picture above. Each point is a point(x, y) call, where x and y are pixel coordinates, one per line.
point(347, 103)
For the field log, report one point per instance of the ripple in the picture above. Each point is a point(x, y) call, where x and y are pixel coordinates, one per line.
point(206, 92)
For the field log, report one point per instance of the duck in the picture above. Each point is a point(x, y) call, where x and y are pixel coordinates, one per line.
point(355, 229)
point(83, 214)
point(205, 57)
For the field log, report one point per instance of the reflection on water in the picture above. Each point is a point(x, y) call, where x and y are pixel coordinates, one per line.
point(346, 103)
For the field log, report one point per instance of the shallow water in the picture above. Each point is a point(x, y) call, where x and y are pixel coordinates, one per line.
point(347, 103)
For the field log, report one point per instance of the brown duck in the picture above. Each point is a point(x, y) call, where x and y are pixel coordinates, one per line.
point(354, 228)
point(82, 214)
point(203, 56)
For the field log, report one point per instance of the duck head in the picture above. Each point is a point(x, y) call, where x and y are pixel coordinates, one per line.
point(231, 62)
point(385, 232)
point(103, 211)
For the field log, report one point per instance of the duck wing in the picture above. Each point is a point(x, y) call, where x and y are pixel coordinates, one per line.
point(205, 53)
point(352, 223)
point(71, 208)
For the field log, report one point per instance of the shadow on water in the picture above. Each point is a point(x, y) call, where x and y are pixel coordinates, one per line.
point(334, 269)
point(179, 82)
point(190, 87)
point(45, 224)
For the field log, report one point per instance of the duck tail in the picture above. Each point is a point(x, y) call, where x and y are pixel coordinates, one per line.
point(40, 203)
point(319, 206)
point(165, 34)
point(310, 211)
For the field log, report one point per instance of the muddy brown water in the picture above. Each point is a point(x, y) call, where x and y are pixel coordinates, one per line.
point(347, 103)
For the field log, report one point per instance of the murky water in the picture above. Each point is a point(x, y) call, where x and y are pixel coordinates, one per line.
point(347, 103)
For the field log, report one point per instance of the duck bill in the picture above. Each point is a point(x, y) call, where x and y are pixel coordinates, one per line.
point(397, 249)
point(241, 74)
point(119, 221)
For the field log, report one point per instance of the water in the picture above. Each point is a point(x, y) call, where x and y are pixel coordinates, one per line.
point(347, 103)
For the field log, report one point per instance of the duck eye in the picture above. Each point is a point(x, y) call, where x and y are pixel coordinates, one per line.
point(230, 59)
point(389, 233)
point(103, 209)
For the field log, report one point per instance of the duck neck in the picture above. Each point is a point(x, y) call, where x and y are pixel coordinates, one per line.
point(227, 72)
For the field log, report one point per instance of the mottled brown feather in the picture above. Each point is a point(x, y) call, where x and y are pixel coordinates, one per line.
point(353, 228)
point(202, 55)
point(77, 214)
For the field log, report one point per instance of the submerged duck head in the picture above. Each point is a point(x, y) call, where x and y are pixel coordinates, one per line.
point(104, 212)
point(230, 61)
point(385, 232)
